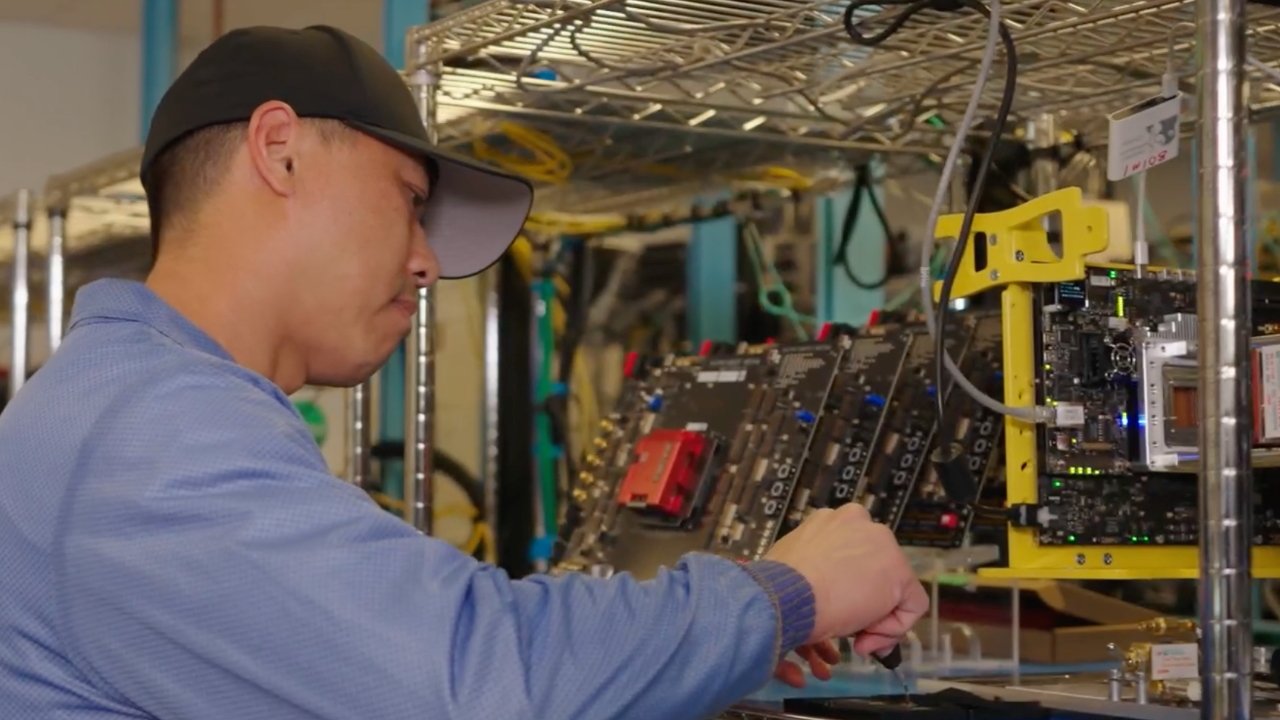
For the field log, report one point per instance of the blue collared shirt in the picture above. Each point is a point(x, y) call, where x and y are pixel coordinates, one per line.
point(172, 545)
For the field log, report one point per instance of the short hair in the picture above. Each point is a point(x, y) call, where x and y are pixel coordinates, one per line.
point(189, 170)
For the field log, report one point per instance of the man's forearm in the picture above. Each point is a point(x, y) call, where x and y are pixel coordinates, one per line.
point(684, 645)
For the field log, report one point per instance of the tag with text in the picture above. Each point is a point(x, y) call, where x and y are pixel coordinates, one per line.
point(1143, 136)
point(1175, 661)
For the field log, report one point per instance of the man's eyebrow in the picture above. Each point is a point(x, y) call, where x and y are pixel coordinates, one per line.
point(421, 184)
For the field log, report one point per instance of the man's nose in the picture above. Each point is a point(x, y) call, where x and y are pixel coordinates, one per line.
point(423, 263)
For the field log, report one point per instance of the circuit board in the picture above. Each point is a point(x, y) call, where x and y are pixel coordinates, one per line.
point(931, 518)
point(1116, 359)
point(1146, 509)
point(909, 424)
point(703, 457)
point(1089, 371)
point(850, 428)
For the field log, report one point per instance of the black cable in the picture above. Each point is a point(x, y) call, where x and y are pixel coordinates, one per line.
point(896, 24)
point(862, 182)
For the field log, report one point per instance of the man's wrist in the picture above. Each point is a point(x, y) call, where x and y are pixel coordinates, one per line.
point(792, 598)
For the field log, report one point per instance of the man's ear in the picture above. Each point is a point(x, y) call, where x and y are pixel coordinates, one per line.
point(273, 136)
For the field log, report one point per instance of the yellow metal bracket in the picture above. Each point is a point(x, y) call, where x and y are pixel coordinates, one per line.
point(1012, 246)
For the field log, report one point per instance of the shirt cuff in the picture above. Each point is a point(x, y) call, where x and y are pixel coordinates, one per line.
point(792, 598)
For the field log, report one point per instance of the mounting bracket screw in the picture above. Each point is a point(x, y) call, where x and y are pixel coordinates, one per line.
point(1106, 559)
point(1019, 256)
point(1080, 558)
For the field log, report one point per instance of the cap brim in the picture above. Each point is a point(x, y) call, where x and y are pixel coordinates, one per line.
point(474, 212)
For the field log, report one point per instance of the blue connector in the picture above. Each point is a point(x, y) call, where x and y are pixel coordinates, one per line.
point(804, 416)
point(541, 548)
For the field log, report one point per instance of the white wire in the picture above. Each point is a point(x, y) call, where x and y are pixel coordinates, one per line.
point(1029, 414)
point(1140, 248)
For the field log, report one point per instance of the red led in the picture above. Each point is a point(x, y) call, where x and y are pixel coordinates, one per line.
point(950, 521)
point(705, 350)
point(824, 332)
point(629, 364)
point(873, 319)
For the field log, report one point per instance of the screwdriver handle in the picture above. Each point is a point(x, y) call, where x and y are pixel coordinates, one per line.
point(890, 660)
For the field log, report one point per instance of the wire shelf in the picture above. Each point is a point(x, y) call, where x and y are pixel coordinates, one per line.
point(624, 84)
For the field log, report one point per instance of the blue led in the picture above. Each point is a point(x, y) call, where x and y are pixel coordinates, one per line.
point(805, 417)
point(1124, 420)
point(931, 391)
point(874, 399)
point(1142, 421)
point(655, 403)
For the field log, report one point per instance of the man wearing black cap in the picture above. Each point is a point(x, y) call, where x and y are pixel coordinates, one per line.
point(172, 543)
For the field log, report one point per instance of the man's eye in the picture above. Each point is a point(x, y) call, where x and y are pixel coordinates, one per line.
point(419, 204)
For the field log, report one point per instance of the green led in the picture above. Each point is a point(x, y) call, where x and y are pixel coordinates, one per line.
point(1071, 538)
point(1112, 274)
point(1133, 538)
point(1057, 483)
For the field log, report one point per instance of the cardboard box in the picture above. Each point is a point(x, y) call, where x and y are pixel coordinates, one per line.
point(1061, 622)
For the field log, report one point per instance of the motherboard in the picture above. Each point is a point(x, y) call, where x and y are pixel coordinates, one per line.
point(702, 454)
point(1116, 359)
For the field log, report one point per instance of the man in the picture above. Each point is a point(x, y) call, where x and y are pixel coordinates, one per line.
point(172, 544)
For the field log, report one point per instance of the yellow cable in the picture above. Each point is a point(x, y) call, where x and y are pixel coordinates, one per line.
point(780, 176)
point(538, 157)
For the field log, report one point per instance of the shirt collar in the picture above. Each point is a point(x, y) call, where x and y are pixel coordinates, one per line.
point(129, 300)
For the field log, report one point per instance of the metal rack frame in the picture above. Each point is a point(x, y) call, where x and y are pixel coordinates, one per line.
point(630, 86)
point(627, 84)
point(15, 211)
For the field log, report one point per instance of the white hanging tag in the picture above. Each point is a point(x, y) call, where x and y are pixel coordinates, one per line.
point(1143, 136)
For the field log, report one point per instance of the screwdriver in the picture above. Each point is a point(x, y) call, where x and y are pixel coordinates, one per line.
point(890, 661)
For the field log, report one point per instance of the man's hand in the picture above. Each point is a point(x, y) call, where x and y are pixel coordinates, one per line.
point(820, 657)
point(863, 586)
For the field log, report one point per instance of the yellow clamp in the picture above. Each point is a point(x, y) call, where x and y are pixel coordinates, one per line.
point(1015, 247)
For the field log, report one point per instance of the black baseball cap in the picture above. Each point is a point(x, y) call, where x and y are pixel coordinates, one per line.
point(474, 211)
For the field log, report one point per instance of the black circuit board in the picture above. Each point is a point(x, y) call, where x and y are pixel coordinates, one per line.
point(1093, 482)
point(757, 410)
point(931, 518)
point(1143, 509)
point(909, 425)
point(1088, 365)
point(851, 426)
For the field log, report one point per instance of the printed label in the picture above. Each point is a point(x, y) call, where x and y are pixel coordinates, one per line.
point(1176, 661)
